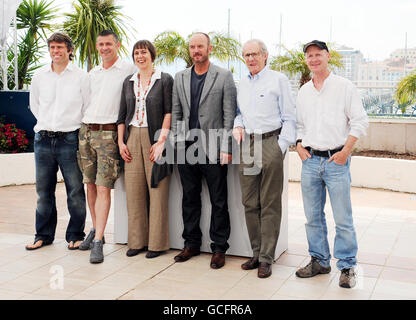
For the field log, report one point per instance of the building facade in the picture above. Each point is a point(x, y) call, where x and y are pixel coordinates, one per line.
point(351, 59)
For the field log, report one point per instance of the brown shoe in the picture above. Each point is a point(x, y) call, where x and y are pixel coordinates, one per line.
point(250, 264)
point(347, 278)
point(312, 269)
point(265, 270)
point(186, 254)
point(217, 260)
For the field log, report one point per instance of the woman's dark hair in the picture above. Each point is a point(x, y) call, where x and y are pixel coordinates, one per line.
point(145, 44)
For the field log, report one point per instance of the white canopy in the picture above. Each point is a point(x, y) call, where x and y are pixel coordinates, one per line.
point(7, 11)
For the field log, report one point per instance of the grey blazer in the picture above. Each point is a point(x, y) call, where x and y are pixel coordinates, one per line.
point(158, 103)
point(217, 107)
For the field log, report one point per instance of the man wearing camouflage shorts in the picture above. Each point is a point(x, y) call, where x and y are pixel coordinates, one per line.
point(98, 149)
point(99, 155)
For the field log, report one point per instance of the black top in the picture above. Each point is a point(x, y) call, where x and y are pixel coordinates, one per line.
point(197, 84)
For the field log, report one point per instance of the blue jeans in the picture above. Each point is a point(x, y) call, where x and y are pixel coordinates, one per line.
point(51, 152)
point(318, 175)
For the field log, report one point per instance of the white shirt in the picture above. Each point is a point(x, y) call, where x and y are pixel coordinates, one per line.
point(106, 85)
point(141, 103)
point(265, 103)
point(58, 100)
point(326, 118)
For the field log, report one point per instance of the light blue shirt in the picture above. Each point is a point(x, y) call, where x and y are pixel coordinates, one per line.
point(265, 103)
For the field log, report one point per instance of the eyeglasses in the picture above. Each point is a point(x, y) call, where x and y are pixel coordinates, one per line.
point(255, 55)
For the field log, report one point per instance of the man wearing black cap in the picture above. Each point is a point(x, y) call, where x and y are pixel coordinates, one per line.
point(330, 119)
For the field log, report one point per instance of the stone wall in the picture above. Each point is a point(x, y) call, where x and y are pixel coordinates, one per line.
point(395, 135)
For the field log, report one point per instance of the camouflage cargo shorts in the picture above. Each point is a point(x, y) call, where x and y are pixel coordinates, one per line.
point(98, 157)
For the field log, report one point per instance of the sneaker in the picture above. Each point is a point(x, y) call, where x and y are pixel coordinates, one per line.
point(97, 255)
point(87, 243)
point(312, 269)
point(347, 278)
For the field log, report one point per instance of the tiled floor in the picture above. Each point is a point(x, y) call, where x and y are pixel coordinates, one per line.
point(386, 230)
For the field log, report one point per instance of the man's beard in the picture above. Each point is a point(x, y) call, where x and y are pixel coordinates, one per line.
point(203, 59)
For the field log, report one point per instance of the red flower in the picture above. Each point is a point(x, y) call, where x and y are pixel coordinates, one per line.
point(12, 139)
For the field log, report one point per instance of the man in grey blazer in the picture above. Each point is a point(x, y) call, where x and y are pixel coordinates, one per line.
point(203, 111)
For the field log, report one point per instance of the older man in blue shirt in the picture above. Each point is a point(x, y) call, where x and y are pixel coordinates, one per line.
point(266, 113)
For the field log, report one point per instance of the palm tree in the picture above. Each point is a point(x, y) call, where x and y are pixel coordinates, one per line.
point(294, 63)
point(33, 19)
point(28, 60)
point(406, 91)
point(36, 16)
point(87, 21)
point(171, 46)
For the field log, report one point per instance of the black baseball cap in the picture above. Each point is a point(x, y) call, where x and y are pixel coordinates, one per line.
point(320, 44)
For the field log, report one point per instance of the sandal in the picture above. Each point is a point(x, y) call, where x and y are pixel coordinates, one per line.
point(73, 243)
point(42, 245)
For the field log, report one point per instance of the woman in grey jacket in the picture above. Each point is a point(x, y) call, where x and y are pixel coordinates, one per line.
point(143, 126)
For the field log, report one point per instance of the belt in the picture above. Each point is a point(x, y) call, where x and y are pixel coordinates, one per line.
point(325, 153)
point(267, 134)
point(102, 127)
point(54, 134)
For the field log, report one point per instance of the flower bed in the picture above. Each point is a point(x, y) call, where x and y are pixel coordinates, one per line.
point(12, 140)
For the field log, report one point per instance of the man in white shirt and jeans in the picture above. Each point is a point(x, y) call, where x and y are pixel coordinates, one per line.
point(330, 119)
point(98, 148)
point(58, 94)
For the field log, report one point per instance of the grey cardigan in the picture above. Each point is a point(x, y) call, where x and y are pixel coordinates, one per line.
point(158, 103)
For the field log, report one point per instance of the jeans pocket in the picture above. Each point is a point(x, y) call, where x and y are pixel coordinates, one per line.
point(38, 137)
point(341, 165)
point(71, 138)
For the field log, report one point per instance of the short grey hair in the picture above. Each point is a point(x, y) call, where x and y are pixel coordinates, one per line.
point(260, 43)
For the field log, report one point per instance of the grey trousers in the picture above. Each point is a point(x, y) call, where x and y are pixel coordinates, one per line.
point(262, 196)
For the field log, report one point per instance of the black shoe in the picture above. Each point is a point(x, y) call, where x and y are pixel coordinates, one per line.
point(251, 264)
point(153, 254)
point(265, 270)
point(312, 269)
point(217, 260)
point(134, 252)
point(186, 254)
